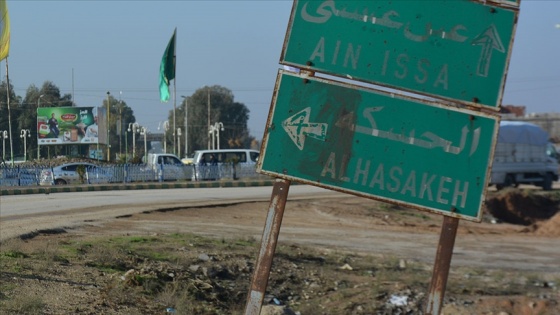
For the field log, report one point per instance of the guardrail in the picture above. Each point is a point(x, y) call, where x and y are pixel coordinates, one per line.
point(20, 175)
point(129, 173)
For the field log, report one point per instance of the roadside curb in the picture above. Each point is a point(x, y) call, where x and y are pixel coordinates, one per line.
point(133, 186)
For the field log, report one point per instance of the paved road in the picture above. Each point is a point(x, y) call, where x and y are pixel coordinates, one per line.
point(22, 214)
point(19, 205)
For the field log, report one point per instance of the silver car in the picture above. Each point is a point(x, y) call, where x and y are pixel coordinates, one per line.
point(70, 174)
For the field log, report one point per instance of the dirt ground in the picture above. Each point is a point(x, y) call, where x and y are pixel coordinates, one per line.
point(525, 225)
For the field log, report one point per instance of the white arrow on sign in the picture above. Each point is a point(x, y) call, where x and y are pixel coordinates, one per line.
point(489, 40)
point(298, 128)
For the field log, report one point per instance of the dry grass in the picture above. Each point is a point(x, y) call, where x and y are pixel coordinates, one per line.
point(198, 275)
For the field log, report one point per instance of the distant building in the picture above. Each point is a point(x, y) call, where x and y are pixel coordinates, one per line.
point(512, 110)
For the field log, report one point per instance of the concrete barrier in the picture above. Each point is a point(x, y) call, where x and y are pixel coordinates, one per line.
point(7, 191)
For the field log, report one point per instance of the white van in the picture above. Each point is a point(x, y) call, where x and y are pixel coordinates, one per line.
point(226, 163)
point(167, 166)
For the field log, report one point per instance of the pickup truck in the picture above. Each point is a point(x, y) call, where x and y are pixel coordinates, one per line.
point(523, 155)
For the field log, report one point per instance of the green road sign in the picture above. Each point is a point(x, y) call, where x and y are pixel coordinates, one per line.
point(453, 49)
point(378, 145)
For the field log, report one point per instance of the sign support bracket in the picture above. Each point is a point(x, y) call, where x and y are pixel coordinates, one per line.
point(441, 265)
point(268, 246)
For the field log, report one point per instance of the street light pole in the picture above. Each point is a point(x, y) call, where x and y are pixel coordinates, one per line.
point(214, 133)
point(211, 138)
point(219, 127)
point(108, 128)
point(165, 128)
point(209, 117)
point(144, 131)
point(120, 123)
point(186, 127)
point(25, 133)
point(4, 136)
point(179, 141)
point(134, 128)
point(38, 145)
point(126, 146)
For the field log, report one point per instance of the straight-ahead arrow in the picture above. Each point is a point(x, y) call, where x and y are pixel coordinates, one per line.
point(490, 40)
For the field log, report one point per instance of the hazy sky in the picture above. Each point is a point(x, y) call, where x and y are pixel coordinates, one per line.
point(91, 47)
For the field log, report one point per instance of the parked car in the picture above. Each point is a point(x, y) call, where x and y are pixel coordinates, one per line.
point(225, 163)
point(167, 166)
point(74, 173)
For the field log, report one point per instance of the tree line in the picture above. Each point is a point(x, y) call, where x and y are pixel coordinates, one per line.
point(214, 104)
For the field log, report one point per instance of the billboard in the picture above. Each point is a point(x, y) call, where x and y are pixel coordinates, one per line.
point(71, 125)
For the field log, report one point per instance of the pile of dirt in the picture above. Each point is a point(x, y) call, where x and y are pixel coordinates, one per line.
point(550, 227)
point(523, 207)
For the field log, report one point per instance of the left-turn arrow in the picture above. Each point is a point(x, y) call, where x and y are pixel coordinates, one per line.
point(298, 128)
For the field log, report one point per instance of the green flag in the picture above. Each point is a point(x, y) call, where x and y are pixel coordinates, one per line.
point(167, 69)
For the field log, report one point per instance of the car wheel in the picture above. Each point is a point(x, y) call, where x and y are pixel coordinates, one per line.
point(510, 181)
point(60, 182)
point(547, 182)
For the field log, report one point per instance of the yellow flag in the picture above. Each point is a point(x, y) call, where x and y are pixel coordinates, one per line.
point(4, 30)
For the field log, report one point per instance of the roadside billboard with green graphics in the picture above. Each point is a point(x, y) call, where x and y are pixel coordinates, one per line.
point(71, 125)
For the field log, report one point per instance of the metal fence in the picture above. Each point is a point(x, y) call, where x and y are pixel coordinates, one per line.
point(20, 175)
point(129, 173)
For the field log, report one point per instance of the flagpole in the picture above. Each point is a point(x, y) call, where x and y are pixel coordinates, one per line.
point(175, 92)
point(166, 75)
point(174, 121)
point(9, 112)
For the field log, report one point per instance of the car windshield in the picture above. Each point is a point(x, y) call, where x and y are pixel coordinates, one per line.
point(551, 151)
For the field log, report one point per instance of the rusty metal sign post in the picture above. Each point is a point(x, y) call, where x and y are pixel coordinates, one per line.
point(268, 246)
point(441, 265)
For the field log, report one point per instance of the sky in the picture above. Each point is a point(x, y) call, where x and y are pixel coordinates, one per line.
point(89, 48)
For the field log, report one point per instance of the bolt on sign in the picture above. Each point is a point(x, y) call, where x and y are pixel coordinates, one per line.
point(457, 50)
point(379, 145)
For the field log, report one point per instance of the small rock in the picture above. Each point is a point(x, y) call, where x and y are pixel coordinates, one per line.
point(203, 257)
point(346, 267)
point(129, 273)
point(276, 310)
point(398, 300)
